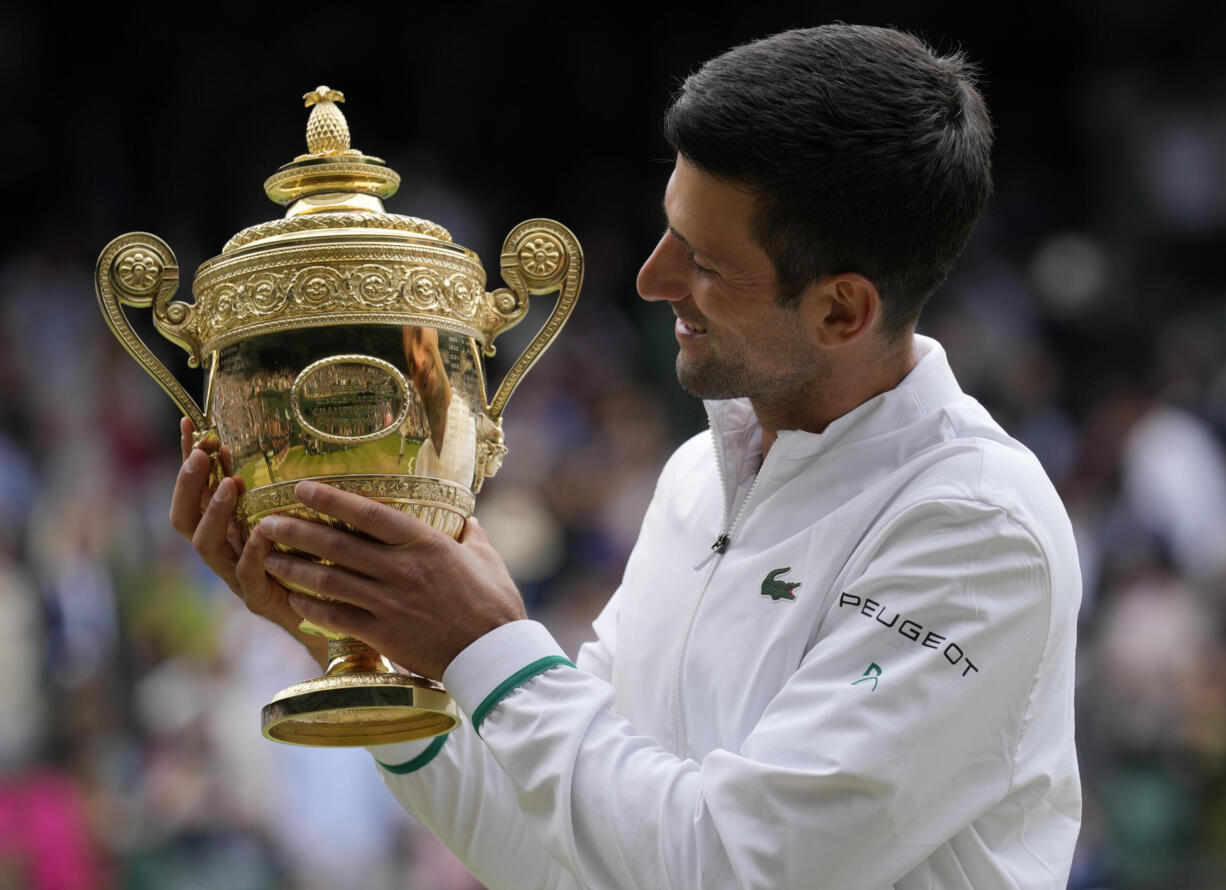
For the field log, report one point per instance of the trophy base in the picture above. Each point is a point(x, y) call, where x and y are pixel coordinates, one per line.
point(357, 709)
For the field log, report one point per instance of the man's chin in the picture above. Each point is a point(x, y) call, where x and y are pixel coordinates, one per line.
point(705, 382)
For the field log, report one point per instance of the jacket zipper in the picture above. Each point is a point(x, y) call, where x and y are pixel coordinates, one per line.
point(716, 553)
point(725, 536)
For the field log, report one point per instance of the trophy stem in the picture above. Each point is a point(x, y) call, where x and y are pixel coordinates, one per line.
point(350, 656)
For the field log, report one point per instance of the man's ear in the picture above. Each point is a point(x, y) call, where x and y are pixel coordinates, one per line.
point(840, 309)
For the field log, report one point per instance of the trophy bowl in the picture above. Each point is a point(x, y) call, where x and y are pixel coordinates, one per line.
point(344, 344)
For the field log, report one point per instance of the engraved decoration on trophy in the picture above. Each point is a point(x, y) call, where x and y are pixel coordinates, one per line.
point(344, 344)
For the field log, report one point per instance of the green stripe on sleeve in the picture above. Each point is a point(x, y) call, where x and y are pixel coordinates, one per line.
point(412, 766)
point(514, 681)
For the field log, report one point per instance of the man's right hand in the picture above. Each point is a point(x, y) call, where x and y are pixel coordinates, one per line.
point(205, 516)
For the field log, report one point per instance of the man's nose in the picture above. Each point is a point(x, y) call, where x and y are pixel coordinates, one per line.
point(663, 275)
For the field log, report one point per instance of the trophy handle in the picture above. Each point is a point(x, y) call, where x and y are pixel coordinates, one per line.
point(539, 256)
point(140, 270)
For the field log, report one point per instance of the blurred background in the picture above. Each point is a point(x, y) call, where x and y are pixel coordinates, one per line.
point(1088, 313)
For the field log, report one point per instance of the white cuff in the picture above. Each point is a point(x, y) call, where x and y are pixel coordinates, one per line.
point(492, 666)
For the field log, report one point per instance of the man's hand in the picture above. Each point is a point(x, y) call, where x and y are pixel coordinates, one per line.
point(204, 515)
point(412, 592)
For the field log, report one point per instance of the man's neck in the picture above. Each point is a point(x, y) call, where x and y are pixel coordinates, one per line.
point(851, 384)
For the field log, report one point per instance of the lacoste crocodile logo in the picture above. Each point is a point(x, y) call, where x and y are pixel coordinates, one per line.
point(779, 590)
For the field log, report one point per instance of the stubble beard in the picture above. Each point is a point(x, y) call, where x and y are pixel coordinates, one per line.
point(717, 377)
point(712, 378)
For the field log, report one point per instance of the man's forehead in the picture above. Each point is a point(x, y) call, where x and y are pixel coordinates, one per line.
point(704, 212)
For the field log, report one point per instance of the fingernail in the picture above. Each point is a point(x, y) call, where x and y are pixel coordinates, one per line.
point(270, 525)
point(305, 489)
point(224, 489)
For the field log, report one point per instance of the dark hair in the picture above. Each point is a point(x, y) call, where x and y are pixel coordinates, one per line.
point(867, 153)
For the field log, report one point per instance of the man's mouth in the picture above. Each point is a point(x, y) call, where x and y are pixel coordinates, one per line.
point(689, 327)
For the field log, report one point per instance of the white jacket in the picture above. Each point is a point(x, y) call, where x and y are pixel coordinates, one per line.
point(871, 686)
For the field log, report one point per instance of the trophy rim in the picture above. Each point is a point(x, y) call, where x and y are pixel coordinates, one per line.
point(342, 276)
point(352, 225)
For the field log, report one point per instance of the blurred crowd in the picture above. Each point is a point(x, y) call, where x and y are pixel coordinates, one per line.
point(1088, 314)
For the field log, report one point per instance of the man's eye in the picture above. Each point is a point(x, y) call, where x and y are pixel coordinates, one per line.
point(700, 269)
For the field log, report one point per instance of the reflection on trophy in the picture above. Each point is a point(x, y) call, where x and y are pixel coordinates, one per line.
point(343, 344)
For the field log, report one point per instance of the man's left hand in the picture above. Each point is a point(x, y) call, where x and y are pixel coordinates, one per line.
point(416, 595)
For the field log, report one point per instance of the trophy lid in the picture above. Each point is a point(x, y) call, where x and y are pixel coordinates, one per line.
point(337, 257)
point(332, 178)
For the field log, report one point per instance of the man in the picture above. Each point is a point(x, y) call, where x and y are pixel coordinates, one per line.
point(842, 652)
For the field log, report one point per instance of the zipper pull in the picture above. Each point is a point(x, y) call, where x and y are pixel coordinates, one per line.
point(717, 549)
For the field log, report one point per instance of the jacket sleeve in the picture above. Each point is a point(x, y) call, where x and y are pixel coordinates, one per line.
point(839, 784)
point(453, 786)
point(456, 790)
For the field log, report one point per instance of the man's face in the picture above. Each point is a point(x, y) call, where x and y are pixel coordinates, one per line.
point(735, 340)
point(424, 360)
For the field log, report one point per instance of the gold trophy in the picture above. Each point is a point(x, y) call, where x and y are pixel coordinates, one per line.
point(342, 343)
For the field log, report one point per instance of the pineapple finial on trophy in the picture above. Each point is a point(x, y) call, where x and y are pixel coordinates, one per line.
point(327, 132)
point(331, 176)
